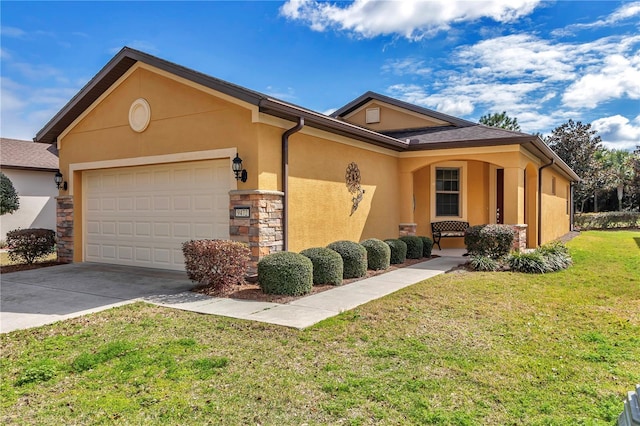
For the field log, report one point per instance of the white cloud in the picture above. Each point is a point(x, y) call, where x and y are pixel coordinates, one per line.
point(617, 78)
point(413, 19)
point(407, 66)
point(287, 94)
point(623, 13)
point(12, 32)
point(617, 132)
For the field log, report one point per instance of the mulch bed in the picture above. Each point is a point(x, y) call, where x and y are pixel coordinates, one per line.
point(25, 267)
point(251, 291)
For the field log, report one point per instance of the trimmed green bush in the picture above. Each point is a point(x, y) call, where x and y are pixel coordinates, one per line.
point(29, 245)
point(483, 263)
point(414, 246)
point(530, 263)
point(327, 265)
point(493, 240)
point(427, 245)
point(286, 273)
point(354, 257)
point(378, 254)
point(216, 265)
point(398, 251)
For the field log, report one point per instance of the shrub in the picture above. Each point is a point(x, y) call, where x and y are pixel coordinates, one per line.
point(607, 220)
point(494, 241)
point(378, 254)
point(285, 273)
point(9, 200)
point(531, 263)
point(354, 257)
point(415, 246)
point(29, 245)
point(483, 263)
point(217, 265)
point(556, 256)
point(427, 245)
point(398, 251)
point(327, 265)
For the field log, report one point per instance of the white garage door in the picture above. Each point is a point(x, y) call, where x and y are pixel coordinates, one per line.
point(141, 215)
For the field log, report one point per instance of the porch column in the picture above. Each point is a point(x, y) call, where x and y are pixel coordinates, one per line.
point(513, 195)
point(64, 228)
point(407, 223)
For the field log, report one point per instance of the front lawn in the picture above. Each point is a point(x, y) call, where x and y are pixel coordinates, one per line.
point(459, 349)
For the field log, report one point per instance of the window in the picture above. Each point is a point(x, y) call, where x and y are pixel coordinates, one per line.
point(447, 192)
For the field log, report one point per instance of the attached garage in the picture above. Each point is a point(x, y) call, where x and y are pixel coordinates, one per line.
point(141, 215)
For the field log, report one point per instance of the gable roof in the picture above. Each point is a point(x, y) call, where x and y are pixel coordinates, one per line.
point(20, 154)
point(373, 96)
point(460, 133)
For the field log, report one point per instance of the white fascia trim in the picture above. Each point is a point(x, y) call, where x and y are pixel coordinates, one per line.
point(213, 154)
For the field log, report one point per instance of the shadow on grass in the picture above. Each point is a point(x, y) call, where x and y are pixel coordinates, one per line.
point(637, 240)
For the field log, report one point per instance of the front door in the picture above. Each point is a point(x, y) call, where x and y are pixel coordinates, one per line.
point(500, 196)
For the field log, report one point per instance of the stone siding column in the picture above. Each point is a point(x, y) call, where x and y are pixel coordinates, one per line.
point(408, 229)
point(520, 239)
point(64, 228)
point(262, 231)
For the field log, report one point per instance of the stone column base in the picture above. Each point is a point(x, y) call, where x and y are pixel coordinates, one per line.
point(408, 229)
point(520, 239)
point(64, 228)
point(262, 231)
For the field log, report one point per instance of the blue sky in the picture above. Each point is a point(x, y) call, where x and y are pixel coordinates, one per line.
point(543, 62)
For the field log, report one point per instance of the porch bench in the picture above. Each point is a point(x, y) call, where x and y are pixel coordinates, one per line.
point(447, 229)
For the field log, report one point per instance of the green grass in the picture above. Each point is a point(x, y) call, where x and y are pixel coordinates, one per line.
point(459, 349)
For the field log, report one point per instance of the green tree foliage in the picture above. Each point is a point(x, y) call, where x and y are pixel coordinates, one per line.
point(9, 201)
point(500, 119)
point(579, 146)
point(619, 173)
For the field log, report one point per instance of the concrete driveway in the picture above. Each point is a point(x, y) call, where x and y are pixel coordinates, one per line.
point(43, 296)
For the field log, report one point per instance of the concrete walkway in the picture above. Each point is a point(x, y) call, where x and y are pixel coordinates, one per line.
point(309, 310)
point(47, 295)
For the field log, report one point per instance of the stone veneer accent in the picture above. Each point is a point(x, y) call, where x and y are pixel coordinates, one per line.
point(64, 228)
point(263, 229)
point(408, 229)
point(520, 239)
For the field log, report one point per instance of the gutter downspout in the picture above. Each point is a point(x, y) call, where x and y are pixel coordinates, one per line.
point(285, 181)
point(540, 198)
point(571, 207)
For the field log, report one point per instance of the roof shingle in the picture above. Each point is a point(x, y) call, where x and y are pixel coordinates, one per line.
point(19, 154)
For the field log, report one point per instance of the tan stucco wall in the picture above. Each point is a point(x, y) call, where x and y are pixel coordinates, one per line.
point(320, 203)
point(391, 118)
point(555, 219)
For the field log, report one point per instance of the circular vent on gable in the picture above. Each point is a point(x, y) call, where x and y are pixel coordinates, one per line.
point(139, 115)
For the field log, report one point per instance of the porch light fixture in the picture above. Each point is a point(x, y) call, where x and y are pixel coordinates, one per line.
point(241, 174)
point(60, 182)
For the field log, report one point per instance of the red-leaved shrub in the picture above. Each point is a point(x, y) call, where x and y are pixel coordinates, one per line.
point(217, 265)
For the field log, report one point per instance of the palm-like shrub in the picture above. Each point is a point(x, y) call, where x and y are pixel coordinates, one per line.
point(530, 263)
point(285, 273)
point(378, 254)
point(354, 257)
point(327, 265)
point(398, 251)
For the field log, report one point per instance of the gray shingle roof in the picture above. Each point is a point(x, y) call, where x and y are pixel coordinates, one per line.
point(19, 154)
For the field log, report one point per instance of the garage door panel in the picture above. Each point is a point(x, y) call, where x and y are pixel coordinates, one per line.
point(142, 215)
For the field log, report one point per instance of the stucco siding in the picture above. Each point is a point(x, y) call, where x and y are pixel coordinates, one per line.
point(37, 192)
point(555, 219)
point(391, 118)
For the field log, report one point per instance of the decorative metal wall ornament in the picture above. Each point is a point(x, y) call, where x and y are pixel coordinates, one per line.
point(352, 178)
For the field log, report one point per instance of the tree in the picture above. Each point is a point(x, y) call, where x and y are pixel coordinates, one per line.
point(634, 186)
point(579, 146)
point(618, 171)
point(501, 120)
point(9, 201)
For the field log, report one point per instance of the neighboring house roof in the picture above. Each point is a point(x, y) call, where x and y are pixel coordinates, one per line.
point(19, 154)
point(427, 139)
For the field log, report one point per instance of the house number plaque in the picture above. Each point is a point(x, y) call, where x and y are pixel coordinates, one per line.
point(242, 212)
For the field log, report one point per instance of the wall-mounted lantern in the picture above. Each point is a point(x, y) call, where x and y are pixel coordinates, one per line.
point(241, 174)
point(60, 182)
